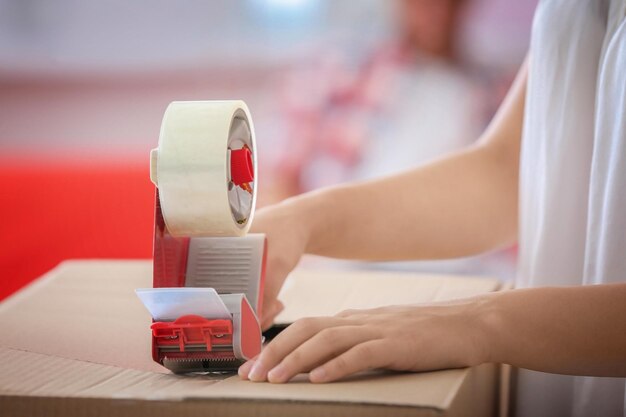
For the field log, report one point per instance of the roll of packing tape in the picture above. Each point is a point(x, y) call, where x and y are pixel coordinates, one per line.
point(200, 193)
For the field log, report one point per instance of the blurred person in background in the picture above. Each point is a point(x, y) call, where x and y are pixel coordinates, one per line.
point(410, 100)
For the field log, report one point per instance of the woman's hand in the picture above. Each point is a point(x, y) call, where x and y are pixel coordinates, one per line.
point(403, 338)
point(287, 237)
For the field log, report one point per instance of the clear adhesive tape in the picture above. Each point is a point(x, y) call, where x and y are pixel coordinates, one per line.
point(191, 168)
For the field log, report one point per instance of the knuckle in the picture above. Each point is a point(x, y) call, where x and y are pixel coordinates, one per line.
point(341, 364)
point(346, 313)
point(269, 353)
point(329, 336)
point(305, 324)
point(364, 352)
point(294, 359)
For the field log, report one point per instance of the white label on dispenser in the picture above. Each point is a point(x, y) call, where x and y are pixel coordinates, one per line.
point(168, 304)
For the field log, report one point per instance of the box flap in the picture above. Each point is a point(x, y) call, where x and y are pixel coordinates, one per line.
point(308, 293)
point(86, 311)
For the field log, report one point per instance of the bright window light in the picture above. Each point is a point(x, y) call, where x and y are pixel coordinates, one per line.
point(294, 4)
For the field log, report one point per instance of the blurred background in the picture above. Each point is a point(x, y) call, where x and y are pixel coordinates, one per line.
point(338, 89)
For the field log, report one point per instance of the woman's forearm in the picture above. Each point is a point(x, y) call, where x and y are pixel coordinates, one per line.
point(457, 206)
point(567, 330)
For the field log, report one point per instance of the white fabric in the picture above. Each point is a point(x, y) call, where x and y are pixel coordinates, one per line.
point(573, 179)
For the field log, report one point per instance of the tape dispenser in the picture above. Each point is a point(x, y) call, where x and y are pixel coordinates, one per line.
point(208, 272)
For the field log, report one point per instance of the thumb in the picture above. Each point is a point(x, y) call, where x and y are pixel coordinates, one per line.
point(270, 313)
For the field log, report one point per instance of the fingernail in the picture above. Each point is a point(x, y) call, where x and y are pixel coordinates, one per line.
point(244, 370)
point(277, 375)
point(317, 375)
point(257, 373)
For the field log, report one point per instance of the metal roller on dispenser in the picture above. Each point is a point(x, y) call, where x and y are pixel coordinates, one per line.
point(205, 171)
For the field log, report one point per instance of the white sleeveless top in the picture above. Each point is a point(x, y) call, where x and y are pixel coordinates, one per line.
point(573, 179)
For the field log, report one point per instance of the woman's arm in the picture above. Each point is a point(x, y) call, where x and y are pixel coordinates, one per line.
point(567, 330)
point(457, 206)
point(460, 205)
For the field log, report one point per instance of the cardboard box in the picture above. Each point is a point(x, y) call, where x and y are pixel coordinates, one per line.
point(77, 342)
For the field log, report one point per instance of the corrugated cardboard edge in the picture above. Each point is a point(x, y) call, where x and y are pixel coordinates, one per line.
point(483, 395)
point(25, 407)
point(99, 390)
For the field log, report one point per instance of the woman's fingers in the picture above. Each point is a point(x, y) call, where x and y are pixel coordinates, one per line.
point(289, 339)
point(323, 346)
point(244, 369)
point(368, 355)
point(392, 337)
